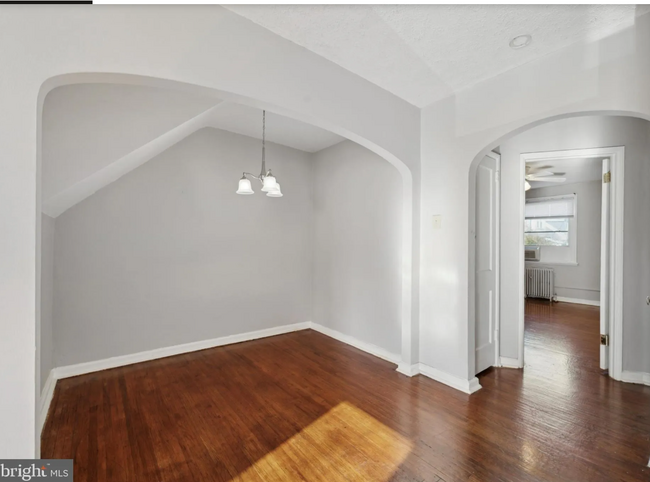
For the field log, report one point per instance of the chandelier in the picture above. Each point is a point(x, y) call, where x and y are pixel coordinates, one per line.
point(269, 184)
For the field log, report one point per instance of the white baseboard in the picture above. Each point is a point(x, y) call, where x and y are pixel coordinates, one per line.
point(361, 345)
point(636, 377)
point(46, 399)
point(509, 362)
point(467, 386)
point(577, 301)
point(408, 370)
point(119, 361)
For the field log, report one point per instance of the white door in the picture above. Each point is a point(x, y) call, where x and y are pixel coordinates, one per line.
point(487, 261)
point(604, 266)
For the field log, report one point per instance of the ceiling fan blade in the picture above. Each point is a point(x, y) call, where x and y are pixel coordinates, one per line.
point(540, 173)
point(546, 179)
point(532, 169)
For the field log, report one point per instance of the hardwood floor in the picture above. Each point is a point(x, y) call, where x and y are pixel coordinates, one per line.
point(305, 407)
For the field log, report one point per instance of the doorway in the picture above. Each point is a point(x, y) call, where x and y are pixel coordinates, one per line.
point(487, 265)
point(610, 162)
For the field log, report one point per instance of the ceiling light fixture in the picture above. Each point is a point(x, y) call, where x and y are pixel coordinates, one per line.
point(520, 41)
point(269, 184)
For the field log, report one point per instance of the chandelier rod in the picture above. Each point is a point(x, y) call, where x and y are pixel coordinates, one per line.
point(263, 173)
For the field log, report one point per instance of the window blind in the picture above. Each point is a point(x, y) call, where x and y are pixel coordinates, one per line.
point(555, 207)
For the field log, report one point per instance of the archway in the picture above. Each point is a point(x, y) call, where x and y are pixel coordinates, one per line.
point(472, 193)
point(408, 201)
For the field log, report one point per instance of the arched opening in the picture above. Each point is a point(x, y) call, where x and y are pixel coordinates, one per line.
point(406, 237)
point(512, 185)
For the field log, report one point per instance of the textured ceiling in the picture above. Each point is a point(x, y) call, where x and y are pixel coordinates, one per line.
point(423, 53)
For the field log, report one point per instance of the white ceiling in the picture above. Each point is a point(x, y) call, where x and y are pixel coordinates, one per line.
point(86, 127)
point(423, 53)
point(247, 121)
point(575, 170)
point(95, 133)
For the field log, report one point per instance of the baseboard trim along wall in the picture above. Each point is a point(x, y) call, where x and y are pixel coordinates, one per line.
point(46, 399)
point(361, 345)
point(467, 386)
point(510, 362)
point(636, 377)
point(408, 370)
point(119, 361)
point(577, 301)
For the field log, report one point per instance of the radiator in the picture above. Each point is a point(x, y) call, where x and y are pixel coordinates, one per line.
point(540, 283)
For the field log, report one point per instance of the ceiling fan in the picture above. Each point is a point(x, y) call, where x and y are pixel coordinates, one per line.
point(542, 174)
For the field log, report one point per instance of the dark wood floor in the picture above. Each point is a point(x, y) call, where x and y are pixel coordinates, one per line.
point(305, 407)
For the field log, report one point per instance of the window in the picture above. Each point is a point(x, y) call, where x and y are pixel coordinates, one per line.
point(547, 232)
point(548, 221)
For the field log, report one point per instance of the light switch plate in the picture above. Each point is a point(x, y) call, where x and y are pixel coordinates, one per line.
point(437, 221)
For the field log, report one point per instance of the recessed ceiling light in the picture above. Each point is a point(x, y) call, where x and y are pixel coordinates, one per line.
point(520, 41)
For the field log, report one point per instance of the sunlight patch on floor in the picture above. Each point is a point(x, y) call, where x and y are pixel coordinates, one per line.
point(345, 444)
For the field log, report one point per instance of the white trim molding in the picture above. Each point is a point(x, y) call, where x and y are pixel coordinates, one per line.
point(510, 362)
point(611, 288)
point(361, 345)
point(466, 386)
point(636, 377)
point(119, 361)
point(46, 399)
point(408, 370)
point(577, 301)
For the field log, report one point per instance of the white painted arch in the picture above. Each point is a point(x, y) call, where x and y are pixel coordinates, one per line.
point(202, 45)
point(472, 223)
point(113, 172)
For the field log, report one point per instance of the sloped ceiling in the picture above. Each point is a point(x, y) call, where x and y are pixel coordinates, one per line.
point(86, 127)
point(247, 121)
point(423, 53)
point(95, 133)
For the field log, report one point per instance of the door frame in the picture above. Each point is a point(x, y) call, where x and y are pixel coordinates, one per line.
point(614, 278)
point(497, 270)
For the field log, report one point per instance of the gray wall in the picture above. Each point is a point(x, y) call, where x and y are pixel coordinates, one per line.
point(169, 254)
point(47, 296)
point(357, 245)
point(575, 133)
point(583, 281)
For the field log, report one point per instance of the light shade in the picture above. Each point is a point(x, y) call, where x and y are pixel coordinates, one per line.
point(527, 185)
point(245, 187)
point(269, 183)
point(275, 192)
